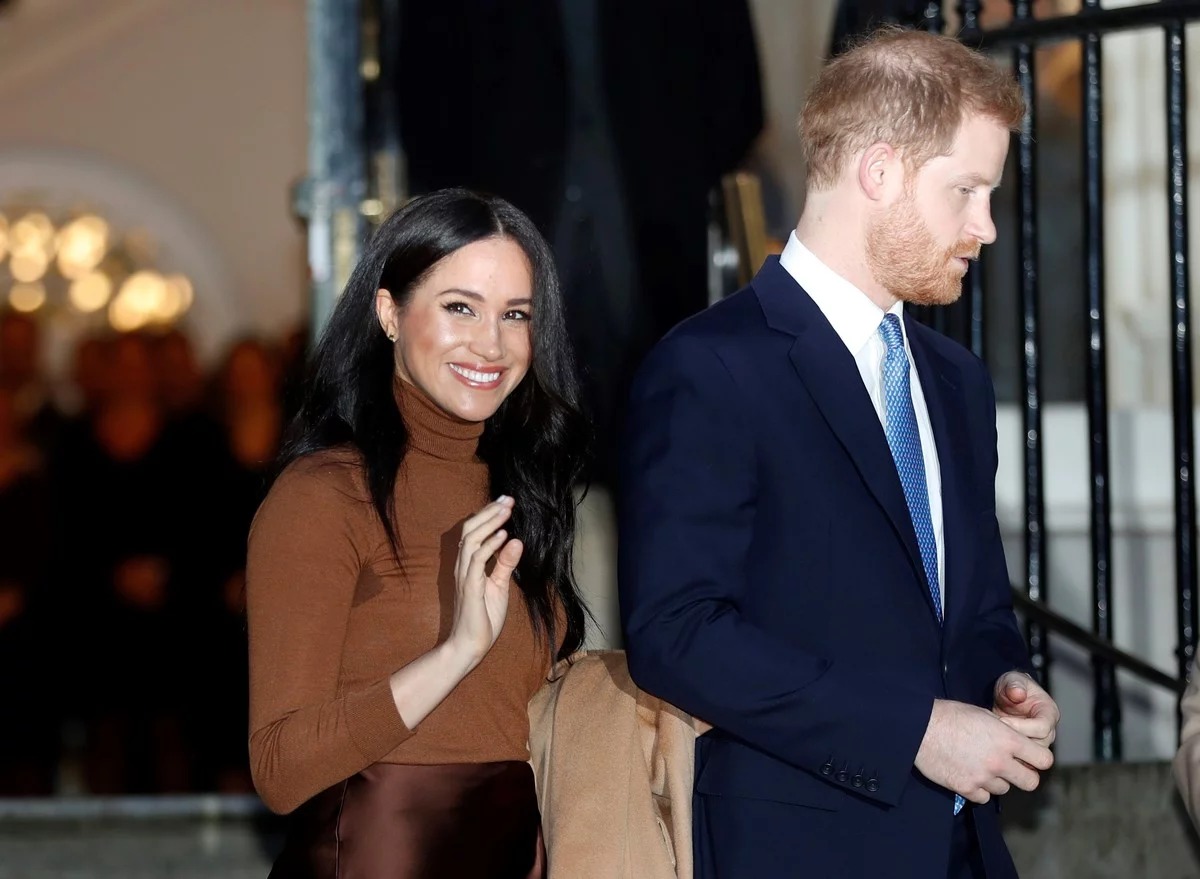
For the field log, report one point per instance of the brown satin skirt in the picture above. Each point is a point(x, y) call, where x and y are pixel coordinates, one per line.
point(459, 821)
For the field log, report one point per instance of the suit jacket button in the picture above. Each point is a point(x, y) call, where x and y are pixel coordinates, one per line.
point(827, 769)
point(857, 781)
point(842, 775)
point(872, 784)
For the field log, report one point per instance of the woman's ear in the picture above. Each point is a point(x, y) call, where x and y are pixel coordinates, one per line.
point(388, 314)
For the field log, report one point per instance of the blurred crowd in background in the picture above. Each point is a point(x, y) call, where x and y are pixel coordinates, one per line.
point(127, 489)
point(125, 500)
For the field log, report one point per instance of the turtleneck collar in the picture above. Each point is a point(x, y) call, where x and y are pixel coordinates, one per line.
point(432, 431)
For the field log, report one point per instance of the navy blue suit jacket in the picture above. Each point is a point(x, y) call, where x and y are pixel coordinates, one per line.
point(771, 584)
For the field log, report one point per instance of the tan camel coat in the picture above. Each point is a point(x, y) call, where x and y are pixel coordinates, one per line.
point(614, 774)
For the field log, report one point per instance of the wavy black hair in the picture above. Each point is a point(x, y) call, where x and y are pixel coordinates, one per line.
point(535, 445)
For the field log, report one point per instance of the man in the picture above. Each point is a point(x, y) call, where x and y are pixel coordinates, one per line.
point(809, 553)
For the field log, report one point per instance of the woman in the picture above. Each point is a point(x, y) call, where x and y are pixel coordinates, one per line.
point(391, 659)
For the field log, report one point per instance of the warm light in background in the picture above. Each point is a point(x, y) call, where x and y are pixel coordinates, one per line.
point(33, 232)
point(27, 297)
point(180, 287)
point(28, 263)
point(82, 243)
point(90, 292)
point(124, 316)
point(146, 297)
point(84, 266)
point(144, 291)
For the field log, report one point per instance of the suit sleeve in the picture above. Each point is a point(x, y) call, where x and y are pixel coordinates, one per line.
point(687, 520)
point(997, 645)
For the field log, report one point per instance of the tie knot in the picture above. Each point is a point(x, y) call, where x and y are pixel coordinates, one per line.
point(890, 330)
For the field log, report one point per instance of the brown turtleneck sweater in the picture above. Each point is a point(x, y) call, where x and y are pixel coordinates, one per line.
point(331, 617)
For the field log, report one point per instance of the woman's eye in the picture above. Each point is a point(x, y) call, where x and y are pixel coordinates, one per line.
point(458, 308)
point(516, 314)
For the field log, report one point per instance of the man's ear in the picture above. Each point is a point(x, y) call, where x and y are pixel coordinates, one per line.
point(879, 171)
point(388, 313)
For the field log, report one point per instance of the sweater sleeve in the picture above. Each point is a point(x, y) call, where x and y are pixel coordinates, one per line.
point(306, 547)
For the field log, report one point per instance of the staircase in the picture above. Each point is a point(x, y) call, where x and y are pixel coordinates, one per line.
point(1103, 821)
point(1113, 821)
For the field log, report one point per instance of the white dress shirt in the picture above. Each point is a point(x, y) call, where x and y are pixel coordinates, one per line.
point(856, 319)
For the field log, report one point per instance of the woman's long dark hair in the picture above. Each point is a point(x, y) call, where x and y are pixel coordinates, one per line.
point(535, 443)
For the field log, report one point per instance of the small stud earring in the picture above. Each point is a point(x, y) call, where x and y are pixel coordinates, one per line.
point(391, 337)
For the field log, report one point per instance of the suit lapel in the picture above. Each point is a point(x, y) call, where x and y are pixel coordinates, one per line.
point(941, 384)
point(831, 377)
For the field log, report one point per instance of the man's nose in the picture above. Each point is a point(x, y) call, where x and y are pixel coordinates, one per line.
point(981, 226)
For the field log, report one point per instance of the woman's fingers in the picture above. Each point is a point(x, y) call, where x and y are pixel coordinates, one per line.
point(477, 529)
point(502, 502)
point(507, 560)
point(476, 568)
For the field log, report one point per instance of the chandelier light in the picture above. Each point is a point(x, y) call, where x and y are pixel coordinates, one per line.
point(79, 263)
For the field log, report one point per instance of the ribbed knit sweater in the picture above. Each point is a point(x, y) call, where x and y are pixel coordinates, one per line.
point(331, 616)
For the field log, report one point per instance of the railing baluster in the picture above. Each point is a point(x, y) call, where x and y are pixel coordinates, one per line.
point(932, 20)
point(1035, 514)
point(1106, 710)
point(973, 308)
point(1181, 349)
point(968, 13)
point(969, 33)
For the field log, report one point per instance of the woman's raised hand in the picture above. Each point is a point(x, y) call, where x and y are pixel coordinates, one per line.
point(482, 598)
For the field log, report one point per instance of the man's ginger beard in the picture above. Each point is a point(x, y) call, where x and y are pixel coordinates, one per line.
point(905, 260)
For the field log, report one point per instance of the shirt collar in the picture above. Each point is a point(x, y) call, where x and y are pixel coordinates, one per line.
point(851, 313)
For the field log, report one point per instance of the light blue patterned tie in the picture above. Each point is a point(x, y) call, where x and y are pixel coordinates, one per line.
point(904, 439)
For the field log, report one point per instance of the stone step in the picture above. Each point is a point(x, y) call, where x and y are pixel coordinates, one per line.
point(1115, 821)
point(201, 837)
point(1102, 821)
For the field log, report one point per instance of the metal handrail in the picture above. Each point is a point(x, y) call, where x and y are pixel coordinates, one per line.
point(1086, 21)
point(1095, 645)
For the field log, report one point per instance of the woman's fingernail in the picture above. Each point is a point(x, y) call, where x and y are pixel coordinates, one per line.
point(503, 499)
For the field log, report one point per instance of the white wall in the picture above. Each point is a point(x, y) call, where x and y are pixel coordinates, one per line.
point(1135, 193)
point(199, 108)
point(792, 41)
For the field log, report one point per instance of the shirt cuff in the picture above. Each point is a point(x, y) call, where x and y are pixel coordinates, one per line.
point(375, 725)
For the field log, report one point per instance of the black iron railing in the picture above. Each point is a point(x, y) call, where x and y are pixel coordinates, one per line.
point(1020, 37)
point(1182, 397)
point(1097, 646)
